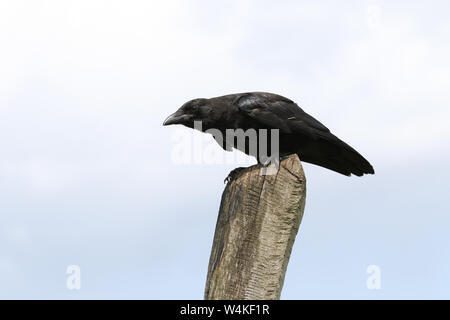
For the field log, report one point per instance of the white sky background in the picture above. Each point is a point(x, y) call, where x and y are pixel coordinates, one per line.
point(86, 174)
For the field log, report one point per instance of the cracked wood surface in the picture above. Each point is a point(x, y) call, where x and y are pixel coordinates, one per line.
point(258, 221)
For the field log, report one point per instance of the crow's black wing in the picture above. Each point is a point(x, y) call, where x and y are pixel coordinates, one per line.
point(323, 148)
point(281, 113)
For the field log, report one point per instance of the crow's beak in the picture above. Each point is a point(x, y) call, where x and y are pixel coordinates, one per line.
point(177, 118)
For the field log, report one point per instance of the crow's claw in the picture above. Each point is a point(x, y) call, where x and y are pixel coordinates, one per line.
point(234, 174)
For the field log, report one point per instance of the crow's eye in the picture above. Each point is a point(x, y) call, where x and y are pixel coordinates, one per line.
point(195, 108)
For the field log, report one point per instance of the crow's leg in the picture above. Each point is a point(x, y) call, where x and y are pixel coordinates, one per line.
point(234, 174)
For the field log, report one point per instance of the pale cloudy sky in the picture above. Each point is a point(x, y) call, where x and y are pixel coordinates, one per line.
point(86, 170)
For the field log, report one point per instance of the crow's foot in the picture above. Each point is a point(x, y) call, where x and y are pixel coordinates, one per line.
point(234, 174)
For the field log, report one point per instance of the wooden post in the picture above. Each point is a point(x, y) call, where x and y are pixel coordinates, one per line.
point(258, 220)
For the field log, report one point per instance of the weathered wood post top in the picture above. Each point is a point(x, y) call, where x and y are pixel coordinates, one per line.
point(258, 221)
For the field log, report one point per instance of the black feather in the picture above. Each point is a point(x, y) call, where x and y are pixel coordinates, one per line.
point(299, 132)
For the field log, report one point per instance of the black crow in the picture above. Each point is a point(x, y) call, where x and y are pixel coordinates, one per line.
point(299, 132)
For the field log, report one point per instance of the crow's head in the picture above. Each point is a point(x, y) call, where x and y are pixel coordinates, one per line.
point(194, 110)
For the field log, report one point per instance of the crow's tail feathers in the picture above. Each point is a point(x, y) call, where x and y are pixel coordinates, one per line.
point(354, 163)
point(338, 156)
